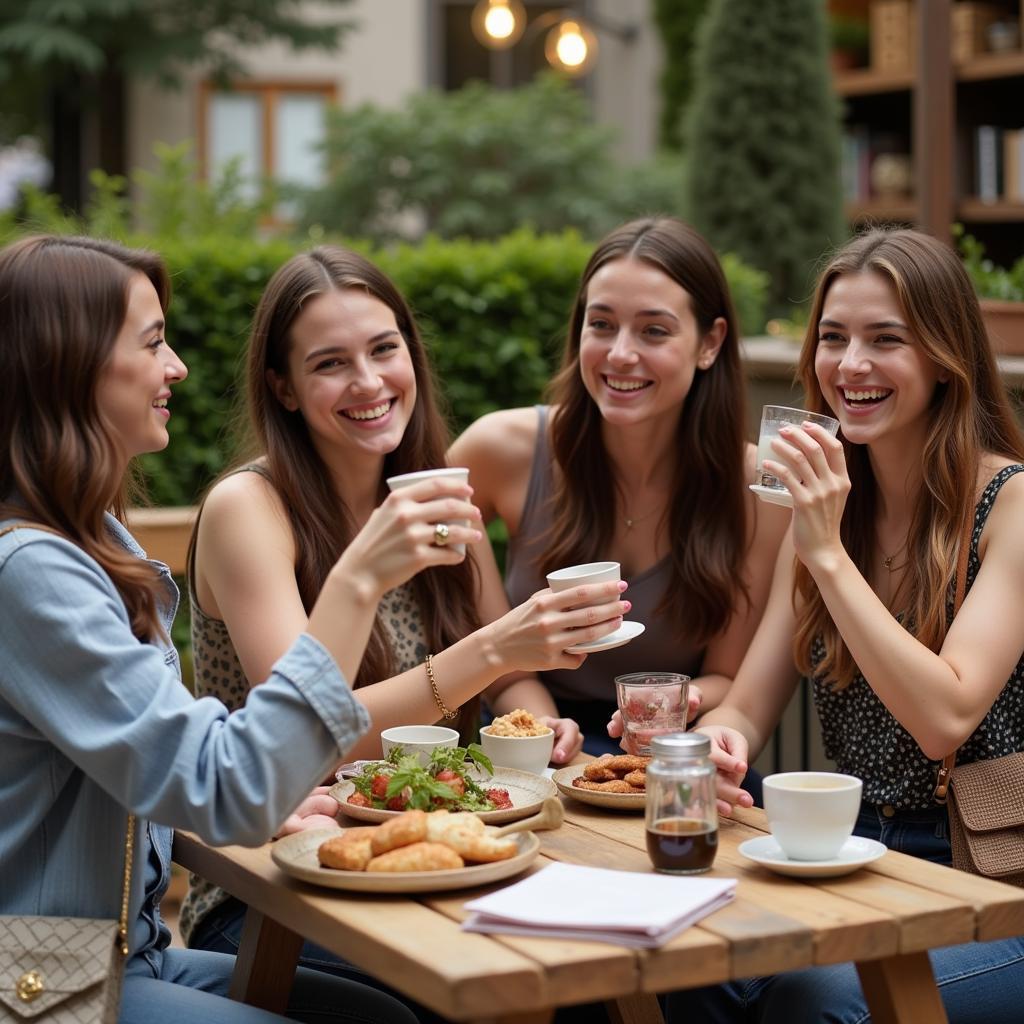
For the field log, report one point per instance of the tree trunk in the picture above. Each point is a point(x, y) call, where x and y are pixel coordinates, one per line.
point(88, 117)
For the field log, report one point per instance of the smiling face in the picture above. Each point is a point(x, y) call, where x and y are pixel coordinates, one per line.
point(640, 345)
point(872, 370)
point(349, 374)
point(134, 387)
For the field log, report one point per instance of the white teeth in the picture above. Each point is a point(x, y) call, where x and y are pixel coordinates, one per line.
point(368, 414)
point(626, 385)
point(160, 403)
point(865, 396)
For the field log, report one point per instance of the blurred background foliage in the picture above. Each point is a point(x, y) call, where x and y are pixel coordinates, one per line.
point(481, 162)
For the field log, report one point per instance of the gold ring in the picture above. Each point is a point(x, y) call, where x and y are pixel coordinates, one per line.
point(441, 532)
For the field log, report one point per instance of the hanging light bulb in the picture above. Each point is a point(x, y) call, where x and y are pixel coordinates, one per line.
point(571, 48)
point(498, 24)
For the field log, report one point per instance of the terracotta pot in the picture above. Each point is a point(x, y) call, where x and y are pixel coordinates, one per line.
point(1004, 322)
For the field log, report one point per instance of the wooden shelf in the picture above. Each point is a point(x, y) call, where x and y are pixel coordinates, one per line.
point(975, 211)
point(868, 82)
point(991, 65)
point(902, 210)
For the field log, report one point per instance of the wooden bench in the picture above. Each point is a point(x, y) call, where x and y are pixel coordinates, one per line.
point(164, 533)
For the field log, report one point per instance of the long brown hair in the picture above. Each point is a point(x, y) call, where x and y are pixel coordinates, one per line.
point(321, 525)
point(63, 302)
point(970, 416)
point(707, 518)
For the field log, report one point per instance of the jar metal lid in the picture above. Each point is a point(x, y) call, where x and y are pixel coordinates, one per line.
point(681, 744)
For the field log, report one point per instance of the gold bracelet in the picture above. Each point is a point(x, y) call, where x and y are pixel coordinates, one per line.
point(445, 713)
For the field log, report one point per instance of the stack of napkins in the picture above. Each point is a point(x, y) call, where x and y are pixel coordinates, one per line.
point(625, 907)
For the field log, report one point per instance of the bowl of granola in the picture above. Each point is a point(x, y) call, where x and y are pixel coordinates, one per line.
point(518, 740)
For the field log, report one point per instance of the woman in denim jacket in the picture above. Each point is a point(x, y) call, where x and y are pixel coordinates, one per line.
point(94, 721)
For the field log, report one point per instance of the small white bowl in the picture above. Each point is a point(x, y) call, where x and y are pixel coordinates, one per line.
point(526, 753)
point(418, 739)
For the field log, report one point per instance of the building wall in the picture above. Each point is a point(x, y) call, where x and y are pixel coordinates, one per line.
point(386, 58)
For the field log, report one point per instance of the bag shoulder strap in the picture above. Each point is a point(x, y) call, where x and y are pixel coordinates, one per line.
point(945, 773)
point(129, 838)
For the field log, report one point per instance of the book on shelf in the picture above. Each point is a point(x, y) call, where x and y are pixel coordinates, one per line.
point(988, 163)
point(1013, 165)
point(855, 164)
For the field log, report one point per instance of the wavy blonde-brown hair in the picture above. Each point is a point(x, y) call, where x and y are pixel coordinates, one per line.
point(970, 416)
point(707, 512)
point(63, 302)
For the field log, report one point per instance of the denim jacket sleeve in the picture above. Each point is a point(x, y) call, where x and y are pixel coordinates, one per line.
point(74, 673)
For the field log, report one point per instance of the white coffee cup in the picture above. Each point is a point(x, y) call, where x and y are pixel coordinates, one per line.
point(811, 814)
point(418, 739)
point(588, 572)
point(451, 472)
point(585, 574)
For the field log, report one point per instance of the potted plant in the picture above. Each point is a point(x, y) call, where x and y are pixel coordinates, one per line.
point(1001, 292)
point(848, 38)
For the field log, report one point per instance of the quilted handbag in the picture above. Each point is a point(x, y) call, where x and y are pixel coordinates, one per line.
point(985, 798)
point(65, 970)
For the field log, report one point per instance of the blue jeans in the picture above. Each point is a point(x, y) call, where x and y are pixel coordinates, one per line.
point(980, 983)
point(220, 931)
point(189, 985)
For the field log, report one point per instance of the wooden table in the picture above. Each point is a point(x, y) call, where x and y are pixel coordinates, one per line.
point(883, 917)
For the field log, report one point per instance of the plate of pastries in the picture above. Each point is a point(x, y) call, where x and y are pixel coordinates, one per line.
point(411, 852)
point(617, 781)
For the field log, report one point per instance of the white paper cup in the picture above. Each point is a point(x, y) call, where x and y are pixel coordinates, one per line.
point(451, 472)
point(418, 739)
point(773, 418)
point(811, 814)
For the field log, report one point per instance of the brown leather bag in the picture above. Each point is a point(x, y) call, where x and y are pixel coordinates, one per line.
point(985, 798)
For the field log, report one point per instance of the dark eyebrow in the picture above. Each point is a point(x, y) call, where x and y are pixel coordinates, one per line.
point(881, 325)
point(330, 350)
point(156, 325)
point(641, 312)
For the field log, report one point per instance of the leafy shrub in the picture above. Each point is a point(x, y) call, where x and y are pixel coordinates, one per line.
point(479, 162)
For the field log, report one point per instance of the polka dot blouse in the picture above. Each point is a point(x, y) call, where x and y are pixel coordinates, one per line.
point(864, 739)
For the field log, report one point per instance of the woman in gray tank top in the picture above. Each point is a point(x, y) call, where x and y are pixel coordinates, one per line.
point(641, 458)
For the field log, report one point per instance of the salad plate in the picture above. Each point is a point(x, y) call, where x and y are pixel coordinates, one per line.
point(563, 777)
point(526, 791)
point(296, 856)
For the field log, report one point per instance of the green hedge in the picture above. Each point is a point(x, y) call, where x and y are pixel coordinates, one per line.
point(493, 314)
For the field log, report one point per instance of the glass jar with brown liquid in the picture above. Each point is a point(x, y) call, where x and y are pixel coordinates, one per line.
point(682, 816)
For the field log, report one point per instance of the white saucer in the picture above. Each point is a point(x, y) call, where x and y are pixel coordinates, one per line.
point(855, 853)
point(772, 495)
point(627, 631)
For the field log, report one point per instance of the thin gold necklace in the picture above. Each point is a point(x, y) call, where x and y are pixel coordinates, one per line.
point(630, 520)
point(887, 560)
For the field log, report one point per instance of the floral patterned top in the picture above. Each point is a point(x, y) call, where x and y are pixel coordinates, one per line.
point(865, 740)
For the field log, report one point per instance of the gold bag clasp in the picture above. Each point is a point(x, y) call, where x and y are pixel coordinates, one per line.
point(29, 986)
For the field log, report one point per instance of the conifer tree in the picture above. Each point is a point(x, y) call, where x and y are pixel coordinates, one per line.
point(764, 140)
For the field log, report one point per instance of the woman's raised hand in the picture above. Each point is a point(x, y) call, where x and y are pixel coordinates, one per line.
point(413, 529)
point(811, 463)
point(729, 753)
point(533, 636)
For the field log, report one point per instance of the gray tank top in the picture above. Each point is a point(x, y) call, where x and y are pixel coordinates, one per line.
point(655, 650)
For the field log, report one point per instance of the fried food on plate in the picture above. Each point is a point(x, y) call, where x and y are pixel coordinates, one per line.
point(627, 762)
point(417, 857)
point(611, 786)
point(637, 778)
point(441, 823)
point(345, 853)
point(408, 827)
